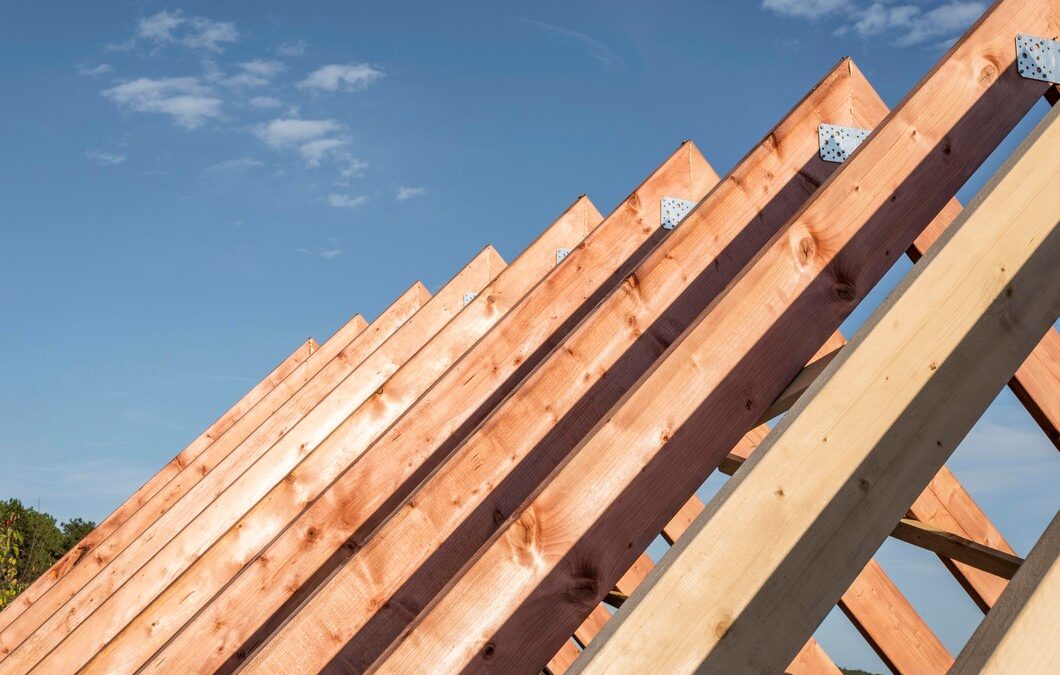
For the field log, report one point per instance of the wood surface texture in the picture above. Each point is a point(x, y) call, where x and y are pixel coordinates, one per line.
point(570, 543)
point(897, 401)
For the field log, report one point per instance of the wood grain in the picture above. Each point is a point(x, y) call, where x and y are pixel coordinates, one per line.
point(199, 482)
point(1020, 634)
point(404, 565)
point(569, 542)
point(113, 598)
point(251, 540)
point(84, 547)
point(897, 402)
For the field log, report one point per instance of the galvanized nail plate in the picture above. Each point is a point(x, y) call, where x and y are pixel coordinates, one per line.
point(468, 297)
point(674, 210)
point(1038, 58)
point(561, 253)
point(837, 143)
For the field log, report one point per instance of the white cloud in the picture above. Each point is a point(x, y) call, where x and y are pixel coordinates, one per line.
point(809, 9)
point(182, 98)
point(262, 68)
point(291, 48)
point(346, 201)
point(908, 24)
point(265, 102)
point(93, 71)
point(331, 253)
point(354, 167)
point(404, 193)
point(942, 22)
point(314, 152)
point(193, 32)
point(239, 164)
point(160, 27)
point(597, 50)
point(256, 73)
point(285, 133)
point(104, 158)
point(348, 77)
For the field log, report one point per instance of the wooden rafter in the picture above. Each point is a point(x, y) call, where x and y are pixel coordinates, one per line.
point(914, 355)
point(108, 601)
point(713, 382)
point(214, 570)
point(148, 490)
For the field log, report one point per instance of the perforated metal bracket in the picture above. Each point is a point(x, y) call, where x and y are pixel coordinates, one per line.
point(1038, 58)
point(674, 211)
point(561, 253)
point(837, 143)
point(468, 297)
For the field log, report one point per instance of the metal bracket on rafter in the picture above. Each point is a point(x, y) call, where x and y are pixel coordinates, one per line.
point(837, 143)
point(1038, 58)
point(674, 211)
point(468, 297)
point(561, 253)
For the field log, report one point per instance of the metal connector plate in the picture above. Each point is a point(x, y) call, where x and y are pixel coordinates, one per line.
point(837, 143)
point(674, 211)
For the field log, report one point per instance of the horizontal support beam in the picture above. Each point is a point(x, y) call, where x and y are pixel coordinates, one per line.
point(956, 547)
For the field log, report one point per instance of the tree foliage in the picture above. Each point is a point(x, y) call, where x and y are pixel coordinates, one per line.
point(31, 542)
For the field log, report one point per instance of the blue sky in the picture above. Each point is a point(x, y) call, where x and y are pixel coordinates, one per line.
point(188, 191)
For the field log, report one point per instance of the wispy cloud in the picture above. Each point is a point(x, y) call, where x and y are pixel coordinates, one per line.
point(93, 71)
point(808, 9)
point(404, 193)
point(193, 32)
point(331, 253)
point(904, 24)
point(104, 158)
point(314, 139)
point(347, 201)
point(240, 164)
point(348, 77)
point(291, 48)
point(597, 50)
point(184, 99)
point(265, 103)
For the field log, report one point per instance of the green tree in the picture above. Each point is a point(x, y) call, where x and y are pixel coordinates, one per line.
point(30, 543)
point(10, 550)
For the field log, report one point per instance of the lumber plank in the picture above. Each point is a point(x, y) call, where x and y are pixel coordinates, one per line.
point(133, 578)
point(403, 565)
point(568, 542)
point(458, 402)
point(563, 659)
point(159, 479)
point(244, 542)
point(945, 505)
point(1020, 633)
point(197, 483)
point(897, 402)
point(953, 546)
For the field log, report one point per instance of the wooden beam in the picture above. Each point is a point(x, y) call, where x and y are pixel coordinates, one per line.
point(403, 565)
point(1019, 635)
point(198, 482)
point(727, 368)
point(953, 546)
point(83, 548)
point(113, 597)
point(896, 403)
point(381, 478)
point(216, 569)
point(563, 659)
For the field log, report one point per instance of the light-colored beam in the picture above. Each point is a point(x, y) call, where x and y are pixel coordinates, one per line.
point(824, 492)
point(1021, 633)
point(450, 515)
point(572, 538)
